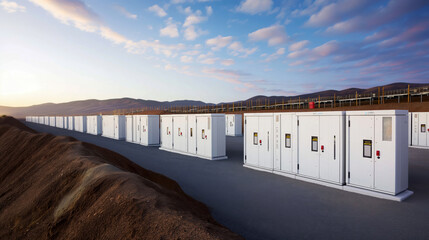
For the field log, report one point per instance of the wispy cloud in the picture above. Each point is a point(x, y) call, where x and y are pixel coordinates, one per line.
point(274, 35)
point(157, 10)
point(124, 12)
point(386, 14)
point(218, 42)
point(255, 6)
point(12, 7)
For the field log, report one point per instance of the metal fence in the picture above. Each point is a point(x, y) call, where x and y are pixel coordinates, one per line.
point(419, 94)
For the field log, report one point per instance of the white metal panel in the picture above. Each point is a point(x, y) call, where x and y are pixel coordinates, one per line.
point(167, 132)
point(204, 137)
point(410, 127)
point(129, 128)
point(422, 129)
point(287, 150)
point(80, 123)
point(415, 129)
point(59, 122)
point(52, 121)
point(251, 140)
point(233, 124)
point(309, 146)
point(192, 136)
point(331, 161)
point(71, 123)
point(384, 167)
point(361, 169)
point(180, 123)
point(266, 142)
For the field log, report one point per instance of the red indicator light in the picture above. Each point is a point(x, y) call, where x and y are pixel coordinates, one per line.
point(322, 147)
point(377, 153)
point(260, 141)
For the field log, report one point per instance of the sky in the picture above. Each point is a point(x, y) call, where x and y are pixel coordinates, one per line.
point(209, 50)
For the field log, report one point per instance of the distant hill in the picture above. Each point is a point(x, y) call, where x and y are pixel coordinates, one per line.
point(345, 92)
point(93, 106)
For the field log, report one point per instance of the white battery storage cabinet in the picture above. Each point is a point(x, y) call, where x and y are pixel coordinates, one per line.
point(285, 143)
point(200, 135)
point(420, 129)
point(94, 125)
point(41, 120)
point(321, 146)
point(52, 121)
point(80, 123)
point(113, 126)
point(259, 141)
point(70, 125)
point(146, 129)
point(377, 152)
point(233, 124)
point(129, 128)
point(46, 121)
point(59, 122)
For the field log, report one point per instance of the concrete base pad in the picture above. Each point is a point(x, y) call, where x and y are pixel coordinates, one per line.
point(419, 147)
point(285, 174)
point(193, 155)
point(327, 184)
point(399, 197)
point(257, 168)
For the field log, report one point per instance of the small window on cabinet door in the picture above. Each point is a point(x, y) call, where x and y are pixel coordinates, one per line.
point(255, 138)
point(288, 140)
point(387, 128)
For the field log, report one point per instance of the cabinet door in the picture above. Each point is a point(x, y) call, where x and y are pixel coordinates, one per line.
point(266, 142)
point(204, 136)
point(192, 138)
point(361, 151)
point(180, 133)
point(309, 146)
point(384, 165)
point(144, 130)
point(422, 129)
point(287, 143)
point(329, 155)
point(251, 129)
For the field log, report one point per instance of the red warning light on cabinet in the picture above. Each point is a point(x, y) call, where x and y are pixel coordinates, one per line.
point(322, 147)
point(377, 153)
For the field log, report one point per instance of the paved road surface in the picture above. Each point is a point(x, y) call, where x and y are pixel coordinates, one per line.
point(261, 205)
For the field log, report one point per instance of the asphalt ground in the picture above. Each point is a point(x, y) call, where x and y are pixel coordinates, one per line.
point(260, 205)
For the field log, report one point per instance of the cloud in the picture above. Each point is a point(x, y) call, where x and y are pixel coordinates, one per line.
point(124, 12)
point(255, 6)
point(336, 11)
point(298, 45)
point(12, 7)
point(416, 33)
point(77, 13)
point(383, 15)
point(319, 52)
point(209, 10)
point(218, 42)
point(71, 11)
point(186, 59)
point(237, 49)
point(157, 10)
point(275, 55)
point(193, 19)
point(275, 35)
point(170, 30)
point(227, 62)
point(113, 36)
point(230, 76)
point(190, 33)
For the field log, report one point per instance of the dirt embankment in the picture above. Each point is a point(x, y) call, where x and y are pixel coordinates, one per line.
point(60, 188)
